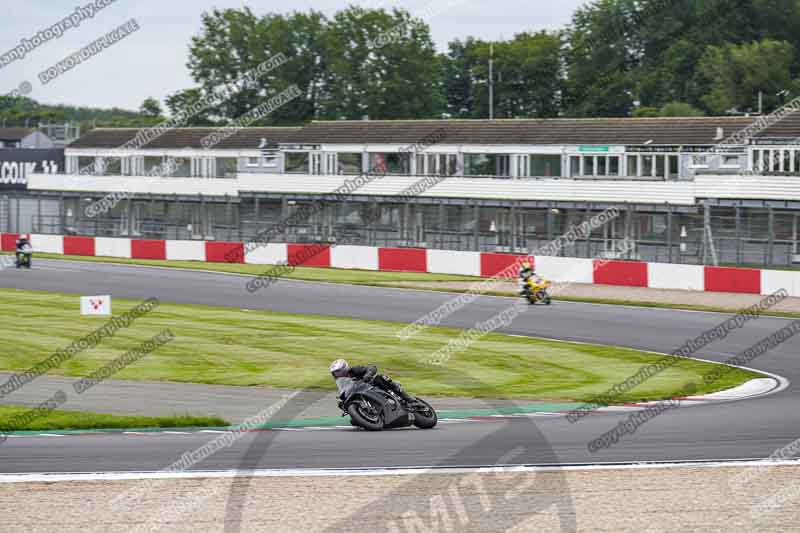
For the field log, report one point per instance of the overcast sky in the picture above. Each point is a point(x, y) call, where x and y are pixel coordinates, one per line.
point(152, 60)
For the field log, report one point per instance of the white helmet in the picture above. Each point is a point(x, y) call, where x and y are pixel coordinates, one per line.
point(339, 368)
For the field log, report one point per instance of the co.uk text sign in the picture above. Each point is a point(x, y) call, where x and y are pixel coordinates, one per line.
point(17, 164)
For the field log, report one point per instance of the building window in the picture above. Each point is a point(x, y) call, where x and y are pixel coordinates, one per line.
point(253, 162)
point(111, 166)
point(699, 161)
point(151, 163)
point(439, 165)
point(547, 165)
point(588, 166)
point(613, 166)
point(390, 163)
point(297, 162)
point(349, 163)
point(601, 166)
point(420, 168)
point(763, 161)
point(661, 166)
point(766, 161)
point(633, 165)
point(674, 167)
point(226, 167)
point(730, 161)
point(647, 165)
point(86, 164)
point(574, 165)
point(492, 165)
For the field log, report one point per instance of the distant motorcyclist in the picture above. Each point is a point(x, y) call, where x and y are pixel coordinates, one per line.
point(22, 242)
point(344, 374)
point(23, 253)
point(525, 273)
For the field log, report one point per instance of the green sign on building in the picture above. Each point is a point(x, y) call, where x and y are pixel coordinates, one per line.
point(587, 148)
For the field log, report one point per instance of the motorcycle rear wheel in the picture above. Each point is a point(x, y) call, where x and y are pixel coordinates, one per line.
point(365, 419)
point(427, 418)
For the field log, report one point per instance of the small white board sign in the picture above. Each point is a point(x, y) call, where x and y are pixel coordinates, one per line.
point(96, 305)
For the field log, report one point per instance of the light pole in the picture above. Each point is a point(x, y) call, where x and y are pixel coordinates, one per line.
point(491, 81)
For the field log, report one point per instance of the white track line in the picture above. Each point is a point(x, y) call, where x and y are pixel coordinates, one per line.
point(411, 471)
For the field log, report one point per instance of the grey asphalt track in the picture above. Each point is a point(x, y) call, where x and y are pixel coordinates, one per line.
point(736, 430)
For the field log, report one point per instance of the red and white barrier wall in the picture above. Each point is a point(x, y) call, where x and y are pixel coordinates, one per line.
point(559, 269)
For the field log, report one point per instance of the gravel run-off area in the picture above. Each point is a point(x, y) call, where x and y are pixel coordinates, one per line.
point(612, 500)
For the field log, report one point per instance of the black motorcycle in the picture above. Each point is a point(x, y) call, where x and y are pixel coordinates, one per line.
point(24, 256)
point(375, 409)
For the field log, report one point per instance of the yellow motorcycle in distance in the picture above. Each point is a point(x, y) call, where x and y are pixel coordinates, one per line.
point(536, 290)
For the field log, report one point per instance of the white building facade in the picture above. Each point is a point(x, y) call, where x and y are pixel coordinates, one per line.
point(503, 185)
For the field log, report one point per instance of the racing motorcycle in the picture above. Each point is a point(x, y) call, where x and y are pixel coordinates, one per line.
point(537, 291)
point(24, 256)
point(376, 409)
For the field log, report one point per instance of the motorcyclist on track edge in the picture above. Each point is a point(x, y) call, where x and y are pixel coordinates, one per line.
point(343, 374)
point(21, 243)
point(525, 273)
point(23, 253)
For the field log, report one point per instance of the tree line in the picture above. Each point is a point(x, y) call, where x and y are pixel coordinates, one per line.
point(616, 58)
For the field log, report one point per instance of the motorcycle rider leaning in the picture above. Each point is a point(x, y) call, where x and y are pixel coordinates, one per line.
point(343, 373)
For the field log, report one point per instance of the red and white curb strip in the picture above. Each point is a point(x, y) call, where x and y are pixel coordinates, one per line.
point(478, 264)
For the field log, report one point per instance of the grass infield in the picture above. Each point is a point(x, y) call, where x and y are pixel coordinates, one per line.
point(60, 419)
point(225, 346)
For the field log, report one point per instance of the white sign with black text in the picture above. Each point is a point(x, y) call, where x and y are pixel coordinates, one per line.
point(16, 172)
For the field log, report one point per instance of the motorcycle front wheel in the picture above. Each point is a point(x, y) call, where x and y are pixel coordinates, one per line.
point(366, 415)
point(426, 417)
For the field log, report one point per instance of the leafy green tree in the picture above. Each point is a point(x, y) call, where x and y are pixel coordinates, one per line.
point(458, 77)
point(528, 78)
point(645, 112)
point(601, 57)
point(381, 64)
point(150, 108)
point(23, 111)
point(679, 109)
point(736, 73)
point(184, 100)
point(650, 50)
point(233, 42)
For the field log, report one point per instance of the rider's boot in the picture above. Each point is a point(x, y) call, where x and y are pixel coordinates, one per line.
point(401, 392)
point(405, 396)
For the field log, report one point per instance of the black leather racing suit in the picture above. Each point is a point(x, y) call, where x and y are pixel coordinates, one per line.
point(370, 373)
